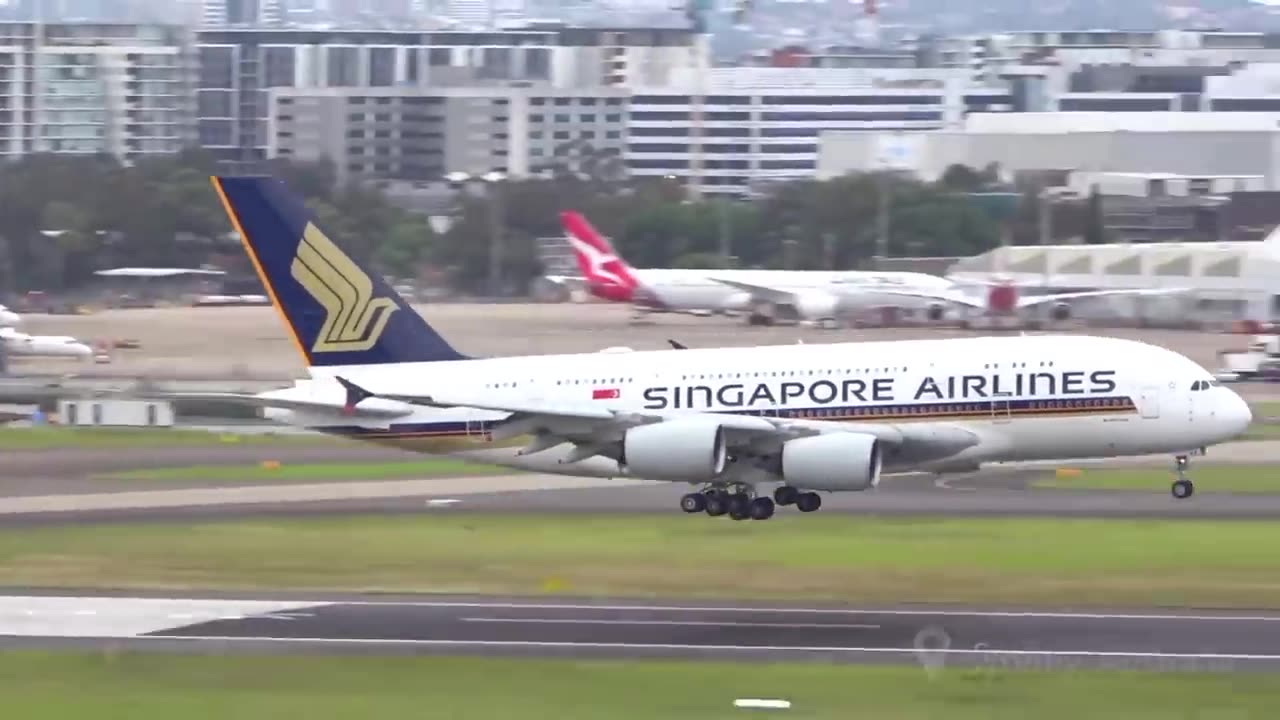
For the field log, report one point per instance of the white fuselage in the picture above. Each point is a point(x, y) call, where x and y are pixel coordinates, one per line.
point(693, 290)
point(18, 343)
point(1026, 397)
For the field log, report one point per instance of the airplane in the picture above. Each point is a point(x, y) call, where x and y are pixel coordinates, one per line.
point(816, 296)
point(731, 422)
point(21, 344)
point(810, 295)
point(9, 318)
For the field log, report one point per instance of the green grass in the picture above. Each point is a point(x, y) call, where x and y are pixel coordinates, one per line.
point(803, 558)
point(137, 686)
point(1208, 478)
point(1263, 427)
point(310, 472)
point(52, 438)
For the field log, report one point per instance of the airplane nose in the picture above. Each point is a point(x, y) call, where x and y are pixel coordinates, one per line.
point(1237, 414)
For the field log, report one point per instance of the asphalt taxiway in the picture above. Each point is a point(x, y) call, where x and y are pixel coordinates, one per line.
point(1005, 493)
point(930, 636)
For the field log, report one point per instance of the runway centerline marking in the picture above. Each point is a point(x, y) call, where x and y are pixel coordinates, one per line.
point(729, 648)
point(688, 623)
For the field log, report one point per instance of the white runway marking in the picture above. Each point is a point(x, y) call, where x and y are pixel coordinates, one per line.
point(670, 623)
point(721, 648)
point(109, 617)
point(67, 606)
point(761, 703)
point(441, 502)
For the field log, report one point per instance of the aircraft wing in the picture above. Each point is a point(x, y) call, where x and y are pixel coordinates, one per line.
point(761, 291)
point(374, 409)
point(594, 429)
point(1034, 300)
point(958, 299)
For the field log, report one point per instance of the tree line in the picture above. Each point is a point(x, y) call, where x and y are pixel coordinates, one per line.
point(64, 217)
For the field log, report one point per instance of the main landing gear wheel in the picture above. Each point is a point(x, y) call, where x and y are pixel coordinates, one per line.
point(693, 503)
point(761, 509)
point(739, 506)
point(717, 505)
point(808, 502)
point(1182, 487)
point(785, 495)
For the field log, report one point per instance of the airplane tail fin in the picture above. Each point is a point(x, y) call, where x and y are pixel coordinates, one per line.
point(597, 260)
point(338, 312)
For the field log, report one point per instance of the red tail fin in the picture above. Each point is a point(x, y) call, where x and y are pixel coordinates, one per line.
point(599, 263)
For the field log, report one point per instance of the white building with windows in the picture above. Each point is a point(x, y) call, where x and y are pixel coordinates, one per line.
point(83, 88)
point(732, 131)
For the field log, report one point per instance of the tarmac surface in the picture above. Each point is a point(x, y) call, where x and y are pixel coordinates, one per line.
point(252, 341)
point(511, 626)
point(60, 487)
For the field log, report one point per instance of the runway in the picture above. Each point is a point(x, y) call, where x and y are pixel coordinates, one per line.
point(932, 637)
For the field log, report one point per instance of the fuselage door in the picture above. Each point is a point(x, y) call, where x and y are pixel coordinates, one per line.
point(1149, 402)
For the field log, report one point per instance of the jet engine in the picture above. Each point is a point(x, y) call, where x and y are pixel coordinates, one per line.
point(737, 302)
point(832, 461)
point(1060, 312)
point(936, 312)
point(691, 450)
point(816, 306)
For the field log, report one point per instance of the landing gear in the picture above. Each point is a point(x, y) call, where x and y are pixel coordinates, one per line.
point(1182, 487)
point(738, 501)
point(786, 495)
point(808, 502)
point(693, 503)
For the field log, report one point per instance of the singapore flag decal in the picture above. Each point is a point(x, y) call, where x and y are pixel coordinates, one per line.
point(606, 394)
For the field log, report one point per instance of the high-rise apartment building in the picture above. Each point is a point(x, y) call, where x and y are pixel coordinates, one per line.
point(126, 90)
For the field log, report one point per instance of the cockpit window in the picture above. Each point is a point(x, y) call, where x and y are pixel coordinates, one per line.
point(1196, 385)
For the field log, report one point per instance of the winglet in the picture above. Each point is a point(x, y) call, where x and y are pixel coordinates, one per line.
point(676, 345)
point(355, 394)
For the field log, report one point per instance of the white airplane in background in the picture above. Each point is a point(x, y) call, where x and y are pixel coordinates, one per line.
point(809, 295)
point(731, 421)
point(9, 318)
point(20, 344)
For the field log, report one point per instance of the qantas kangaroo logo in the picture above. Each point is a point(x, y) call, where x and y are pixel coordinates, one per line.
point(598, 264)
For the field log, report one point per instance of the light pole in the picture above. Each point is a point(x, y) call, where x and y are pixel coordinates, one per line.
point(490, 182)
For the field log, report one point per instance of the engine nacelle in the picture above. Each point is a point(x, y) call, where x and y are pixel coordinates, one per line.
point(737, 302)
point(816, 306)
point(691, 450)
point(832, 461)
point(1061, 311)
point(936, 312)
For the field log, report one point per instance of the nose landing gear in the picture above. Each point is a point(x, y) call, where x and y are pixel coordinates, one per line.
point(1182, 487)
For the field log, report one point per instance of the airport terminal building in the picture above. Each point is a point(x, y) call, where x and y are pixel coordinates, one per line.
point(1228, 280)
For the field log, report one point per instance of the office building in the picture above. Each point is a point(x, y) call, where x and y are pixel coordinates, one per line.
point(1195, 144)
point(122, 89)
point(755, 126)
point(239, 66)
point(412, 134)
